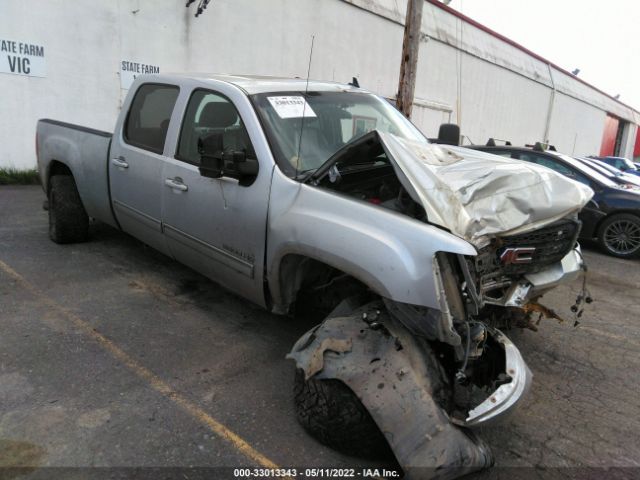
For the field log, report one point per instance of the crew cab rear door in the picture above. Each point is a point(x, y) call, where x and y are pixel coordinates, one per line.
point(136, 162)
point(217, 226)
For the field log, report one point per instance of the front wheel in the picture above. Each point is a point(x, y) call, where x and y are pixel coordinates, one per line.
point(68, 220)
point(619, 235)
point(333, 414)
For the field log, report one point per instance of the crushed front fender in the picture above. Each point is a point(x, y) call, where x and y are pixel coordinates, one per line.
point(392, 373)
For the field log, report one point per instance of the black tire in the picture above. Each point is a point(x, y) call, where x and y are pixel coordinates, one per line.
point(619, 235)
point(334, 416)
point(68, 220)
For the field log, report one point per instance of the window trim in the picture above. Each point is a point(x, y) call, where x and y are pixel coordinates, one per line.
point(125, 126)
point(176, 154)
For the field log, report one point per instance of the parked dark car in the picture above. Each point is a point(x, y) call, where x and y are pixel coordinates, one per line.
point(621, 163)
point(612, 173)
point(612, 217)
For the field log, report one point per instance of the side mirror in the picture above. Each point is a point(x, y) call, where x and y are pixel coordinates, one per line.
point(449, 134)
point(215, 162)
point(210, 150)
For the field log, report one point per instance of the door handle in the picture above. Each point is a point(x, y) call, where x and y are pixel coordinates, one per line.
point(120, 162)
point(176, 184)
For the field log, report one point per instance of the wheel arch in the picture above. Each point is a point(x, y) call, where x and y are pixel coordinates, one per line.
point(56, 167)
point(296, 271)
point(625, 211)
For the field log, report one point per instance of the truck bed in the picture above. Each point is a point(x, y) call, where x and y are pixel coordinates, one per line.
point(84, 151)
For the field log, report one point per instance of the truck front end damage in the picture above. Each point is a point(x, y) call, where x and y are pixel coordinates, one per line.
point(425, 374)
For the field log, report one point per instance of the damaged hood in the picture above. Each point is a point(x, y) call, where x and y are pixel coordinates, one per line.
point(478, 195)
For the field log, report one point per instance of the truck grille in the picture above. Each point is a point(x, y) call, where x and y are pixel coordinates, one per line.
point(551, 244)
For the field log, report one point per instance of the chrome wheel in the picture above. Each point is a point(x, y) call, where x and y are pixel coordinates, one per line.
point(622, 236)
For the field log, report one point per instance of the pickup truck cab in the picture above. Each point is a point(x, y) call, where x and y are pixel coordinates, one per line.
point(291, 192)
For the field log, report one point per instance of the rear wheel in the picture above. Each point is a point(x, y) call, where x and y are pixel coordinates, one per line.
point(619, 235)
point(68, 220)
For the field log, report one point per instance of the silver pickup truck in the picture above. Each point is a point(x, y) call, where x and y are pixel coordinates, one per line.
point(317, 198)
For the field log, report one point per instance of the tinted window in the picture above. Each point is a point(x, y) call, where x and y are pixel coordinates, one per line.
point(207, 114)
point(148, 120)
point(556, 166)
point(547, 162)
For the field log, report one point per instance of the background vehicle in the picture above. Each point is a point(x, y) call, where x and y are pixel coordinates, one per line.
point(612, 217)
point(612, 173)
point(294, 193)
point(622, 164)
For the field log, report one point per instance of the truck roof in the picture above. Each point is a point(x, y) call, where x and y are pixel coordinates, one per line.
point(260, 84)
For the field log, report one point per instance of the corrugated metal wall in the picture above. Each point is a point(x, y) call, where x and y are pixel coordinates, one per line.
point(465, 75)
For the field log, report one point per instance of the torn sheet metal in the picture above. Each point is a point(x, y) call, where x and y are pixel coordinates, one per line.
point(505, 399)
point(477, 195)
point(390, 373)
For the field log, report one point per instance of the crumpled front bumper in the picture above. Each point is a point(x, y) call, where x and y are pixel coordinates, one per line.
point(535, 284)
point(564, 271)
point(508, 396)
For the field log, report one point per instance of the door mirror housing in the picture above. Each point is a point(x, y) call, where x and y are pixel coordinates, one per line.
point(216, 162)
point(210, 150)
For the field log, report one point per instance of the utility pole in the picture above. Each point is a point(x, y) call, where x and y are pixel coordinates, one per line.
point(409, 63)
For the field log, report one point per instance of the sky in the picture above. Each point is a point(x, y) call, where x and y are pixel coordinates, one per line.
point(601, 38)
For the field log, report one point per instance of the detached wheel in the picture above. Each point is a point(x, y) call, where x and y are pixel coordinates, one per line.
point(334, 415)
point(68, 220)
point(619, 235)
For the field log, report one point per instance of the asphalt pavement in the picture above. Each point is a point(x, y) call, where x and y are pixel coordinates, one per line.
point(116, 359)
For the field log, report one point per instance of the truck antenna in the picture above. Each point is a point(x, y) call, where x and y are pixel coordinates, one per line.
point(304, 106)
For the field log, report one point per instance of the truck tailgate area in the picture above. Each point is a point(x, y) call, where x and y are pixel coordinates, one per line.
point(85, 152)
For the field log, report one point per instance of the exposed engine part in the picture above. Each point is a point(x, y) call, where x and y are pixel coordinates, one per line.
point(469, 291)
point(477, 339)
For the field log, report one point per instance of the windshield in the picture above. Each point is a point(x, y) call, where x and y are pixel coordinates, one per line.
point(331, 120)
point(629, 164)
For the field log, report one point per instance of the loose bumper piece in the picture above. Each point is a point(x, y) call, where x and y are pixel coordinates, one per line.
point(562, 272)
point(507, 396)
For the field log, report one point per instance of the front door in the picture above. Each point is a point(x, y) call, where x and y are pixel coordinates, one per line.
point(216, 226)
point(136, 162)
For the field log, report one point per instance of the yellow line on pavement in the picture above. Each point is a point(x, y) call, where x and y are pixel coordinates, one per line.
point(154, 381)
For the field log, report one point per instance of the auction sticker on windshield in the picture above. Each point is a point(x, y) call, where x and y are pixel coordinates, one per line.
point(291, 107)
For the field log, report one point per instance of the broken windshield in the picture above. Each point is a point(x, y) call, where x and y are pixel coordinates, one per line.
point(331, 120)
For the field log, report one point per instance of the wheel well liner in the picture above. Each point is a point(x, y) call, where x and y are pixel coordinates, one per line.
point(300, 271)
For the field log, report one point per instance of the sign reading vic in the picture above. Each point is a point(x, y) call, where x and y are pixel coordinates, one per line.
point(21, 58)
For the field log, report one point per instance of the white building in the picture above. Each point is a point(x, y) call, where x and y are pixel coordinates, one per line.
point(67, 60)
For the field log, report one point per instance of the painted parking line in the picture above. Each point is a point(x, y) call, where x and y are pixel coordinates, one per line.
point(155, 382)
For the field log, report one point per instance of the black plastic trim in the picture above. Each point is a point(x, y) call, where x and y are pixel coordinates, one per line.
point(77, 127)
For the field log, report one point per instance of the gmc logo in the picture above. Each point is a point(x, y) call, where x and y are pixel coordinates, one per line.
point(517, 255)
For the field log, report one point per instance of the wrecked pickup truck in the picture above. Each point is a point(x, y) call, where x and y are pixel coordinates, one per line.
point(321, 199)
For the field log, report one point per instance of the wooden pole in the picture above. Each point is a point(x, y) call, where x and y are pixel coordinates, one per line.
point(409, 63)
